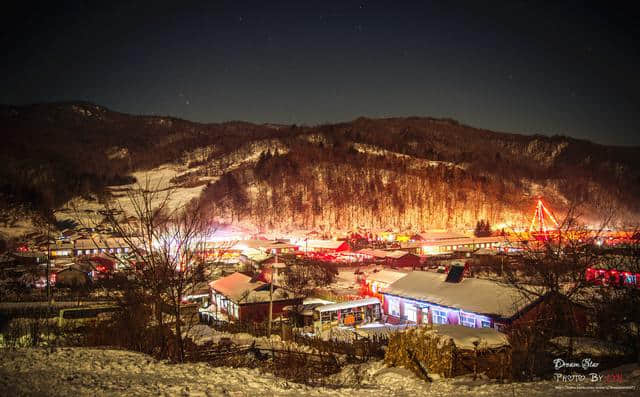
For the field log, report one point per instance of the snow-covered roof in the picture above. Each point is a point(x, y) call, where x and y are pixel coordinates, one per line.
point(397, 254)
point(115, 242)
point(348, 305)
point(262, 295)
point(263, 245)
point(471, 294)
point(373, 252)
point(241, 288)
point(384, 254)
point(386, 276)
point(327, 244)
point(467, 337)
point(236, 285)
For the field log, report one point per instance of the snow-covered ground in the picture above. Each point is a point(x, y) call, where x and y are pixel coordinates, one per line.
point(416, 162)
point(95, 372)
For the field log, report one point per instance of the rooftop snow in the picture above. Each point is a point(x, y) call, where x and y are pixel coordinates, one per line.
point(386, 276)
point(348, 305)
point(383, 254)
point(471, 294)
point(464, 337)
point(236, 286)
point(241, 289)
point(328, 244)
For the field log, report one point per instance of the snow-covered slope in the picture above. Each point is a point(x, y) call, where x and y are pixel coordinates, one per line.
point(94, 372)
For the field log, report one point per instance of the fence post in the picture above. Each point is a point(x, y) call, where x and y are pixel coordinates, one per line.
point(475, 359)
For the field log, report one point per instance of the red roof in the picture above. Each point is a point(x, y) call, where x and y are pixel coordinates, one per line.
point(235, 286)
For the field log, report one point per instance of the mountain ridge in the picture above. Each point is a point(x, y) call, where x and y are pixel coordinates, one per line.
point(57, 151)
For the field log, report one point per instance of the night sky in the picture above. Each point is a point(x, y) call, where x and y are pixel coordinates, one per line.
point(509, 66)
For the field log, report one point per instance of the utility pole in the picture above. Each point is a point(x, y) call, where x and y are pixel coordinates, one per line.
point(274, 272)
point(48, 271)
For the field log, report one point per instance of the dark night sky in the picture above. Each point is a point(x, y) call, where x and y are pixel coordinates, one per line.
point(509, 66)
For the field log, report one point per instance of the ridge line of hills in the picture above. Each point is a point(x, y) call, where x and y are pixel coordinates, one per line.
point(404, 172)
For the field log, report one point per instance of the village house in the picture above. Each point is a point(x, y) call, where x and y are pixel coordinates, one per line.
point(229, 251)
point(450, 245)
point(266, 246)
point(622, 271)
point(435, 298)
point(240, 298)
point(73, 276)
point(100, 245)
point(326, 246)
point(394, 258)
point(377, 281)
point(59, 249)
point(349, 314)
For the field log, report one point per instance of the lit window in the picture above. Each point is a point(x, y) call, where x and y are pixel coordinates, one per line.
point(411, 313)
point(394, 307)
point(439, 317)
point(485, 323)
point(630, 279)
point(425, 316)
point(468, 320)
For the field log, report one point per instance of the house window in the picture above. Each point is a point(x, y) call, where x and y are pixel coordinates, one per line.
point(468, 320)
point(485, 323)
point(439, 317)
point(394, 307)
point(630, 279)
point(498, 326)
point(425, 315)
point(411, 313)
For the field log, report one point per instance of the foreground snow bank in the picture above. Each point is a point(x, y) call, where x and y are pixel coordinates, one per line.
point(95, 372)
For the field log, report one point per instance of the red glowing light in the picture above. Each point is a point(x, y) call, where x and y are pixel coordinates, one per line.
point(539, 216)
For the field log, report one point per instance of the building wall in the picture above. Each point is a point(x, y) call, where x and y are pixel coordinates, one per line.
point(577, 316)
point(259, 312)
point(406, 261)
point(427, 316)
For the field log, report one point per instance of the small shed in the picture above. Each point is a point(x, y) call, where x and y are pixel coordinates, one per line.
point(72, 277)
point(350, 313)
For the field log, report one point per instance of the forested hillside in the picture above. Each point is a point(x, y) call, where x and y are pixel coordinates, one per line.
point(400, 172)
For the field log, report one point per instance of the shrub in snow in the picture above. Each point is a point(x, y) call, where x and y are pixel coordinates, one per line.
point(451, 350)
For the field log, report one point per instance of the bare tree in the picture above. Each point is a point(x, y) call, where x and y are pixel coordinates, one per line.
point(552, 269)
point(302, 276)
point(165, 241)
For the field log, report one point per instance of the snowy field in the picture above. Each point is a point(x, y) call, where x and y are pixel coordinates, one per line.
point(95, 372)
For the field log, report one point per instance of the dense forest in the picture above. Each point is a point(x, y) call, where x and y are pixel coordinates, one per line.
point(397, 172)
